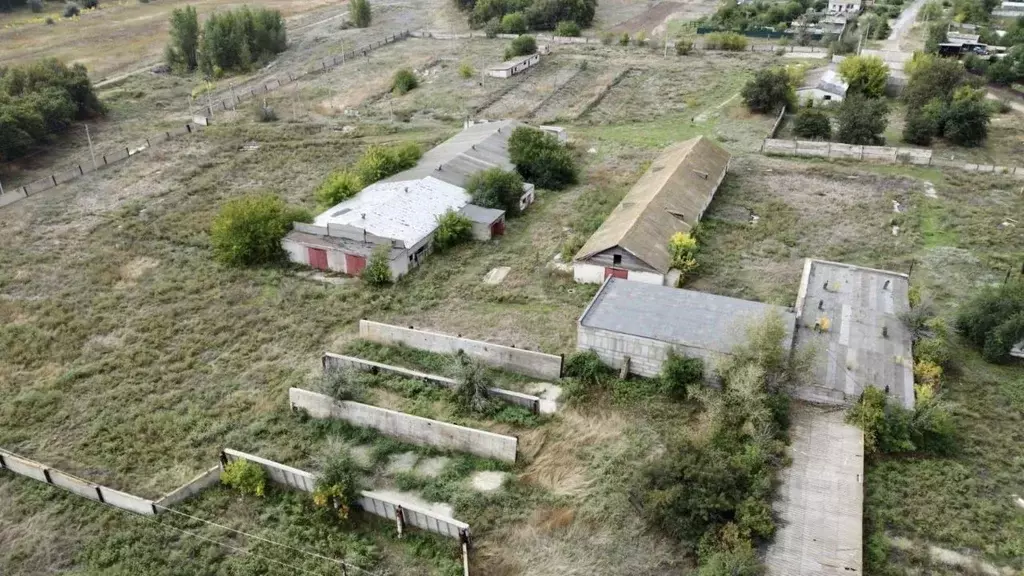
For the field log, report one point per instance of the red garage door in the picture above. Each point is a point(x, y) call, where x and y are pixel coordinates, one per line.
point(318, 258)
point(354, 264)
point(616, 273)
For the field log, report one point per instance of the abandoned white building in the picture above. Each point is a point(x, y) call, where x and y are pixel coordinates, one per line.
point(402, 211)
point(510, 68)
point(822, 84)
point(670, 197)
point(642, 322)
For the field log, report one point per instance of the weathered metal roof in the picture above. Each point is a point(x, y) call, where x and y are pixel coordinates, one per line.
point(479, 147)
point(682, 317)
point(481, 215)
point(513, 62)
point(670, 197)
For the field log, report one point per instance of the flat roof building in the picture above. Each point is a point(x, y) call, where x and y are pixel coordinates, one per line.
point(510, 68)
point(851, 315)
point(644, 321)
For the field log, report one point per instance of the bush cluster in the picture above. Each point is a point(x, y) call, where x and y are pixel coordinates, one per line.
point(246, 477)
point(942, 103)
point(862, 120)
point(725, 41)
point(754, 16)
point(521, 46)
point(567, 28)
point(248, 230)
point(361, 13)
point(890, 428)
point(538, 14)
point(71, 10)
point(812, 123)
point(714, 492)
point(769, 90)
point(338, 187)
point(404, 81)
point(338, 484)
point(496, 188)
point(679, 373)
point(993, 320)
point(378, 268)
point(682, 248)
point(452, 229)
point(233, 41)
point(513, 23)
point(40, 100)
point(541, 159)
point(379, 162)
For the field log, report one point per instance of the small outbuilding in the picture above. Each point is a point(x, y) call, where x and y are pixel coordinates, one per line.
point(510, 68)
point(823, 85)
point(487, 222)
point(642, 322)
point(670, 197)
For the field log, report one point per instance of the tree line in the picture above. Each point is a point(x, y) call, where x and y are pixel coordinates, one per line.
point(505, 15)
point(234, 41)
point(40, 100)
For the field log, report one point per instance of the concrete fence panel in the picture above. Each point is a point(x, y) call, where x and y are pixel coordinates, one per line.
point(191, 488)
point(67, 175)
point(772, 146)
point(409, 428)
point(116, 156)
point(27, 468)
point(845, 151)
point(880, 154)
point(278, 473)
point(338, 361)
point(41, 185)
point(11, 196)
point(74, 485)
point(527, 362)
point(126, 501)
point(816, 149)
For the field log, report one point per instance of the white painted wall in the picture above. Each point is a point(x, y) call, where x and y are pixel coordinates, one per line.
point(817, 95)
point(587, 273)
point(645, 355)
point(647, 277)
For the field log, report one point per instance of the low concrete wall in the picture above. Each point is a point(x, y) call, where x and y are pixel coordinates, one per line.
point(412, 429)
point(527, 362)
point(191, 488)
point(371, 502)
point(336, 361)
point(74, 484)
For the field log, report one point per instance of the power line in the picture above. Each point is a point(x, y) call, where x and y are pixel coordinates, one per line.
point(260, 538)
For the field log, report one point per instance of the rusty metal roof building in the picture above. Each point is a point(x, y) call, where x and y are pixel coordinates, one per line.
point(479, 147)
point(670, 197)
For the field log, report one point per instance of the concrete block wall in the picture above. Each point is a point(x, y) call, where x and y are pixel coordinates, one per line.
point(645, 355)
point(75, 485)
point(338, 361)
point(412, 429)
point(527, 362)
point(194, 486)
point(372, 502)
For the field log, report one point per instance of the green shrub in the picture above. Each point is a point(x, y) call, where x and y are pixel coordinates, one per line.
point(71, 10)
point(90, 3)
point(521, 46)
point(866, 75)
point(341, 385)
point(403, 81)
point(496, 188)
point(982, 318)
point(919, 128)
point(683, 47)
point(361, 13)
point(466, 70)
point(725, 41)
point(378, 269)
point(513, 23)
point(36, 6)
point(182, 52)
point(890, 428)
point(541, 159)
point(812, 123)
point(39, 100)
point(246, 477)
point(452, 229)
point(624, 39)
point(607, 38)
point(587, 367)
point(241, 39)
point(679, 373)
point(567, 28)
point(768, 91)
point(965, 121)
point(338, 187)
point(379, 162)
point(546, 14)
point(338, 484)
point(248, 230)
point(264, 113)
point(493, 28)
point(862, 120)
point(473, 384)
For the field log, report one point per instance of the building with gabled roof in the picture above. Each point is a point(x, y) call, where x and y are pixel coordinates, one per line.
point(670, 197)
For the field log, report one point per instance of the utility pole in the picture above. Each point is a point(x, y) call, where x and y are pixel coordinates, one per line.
point(91, 151)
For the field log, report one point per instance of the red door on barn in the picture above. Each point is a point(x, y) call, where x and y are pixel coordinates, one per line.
point(354, 264)
point(498, 228)
point(318, 258)
point(616, 273)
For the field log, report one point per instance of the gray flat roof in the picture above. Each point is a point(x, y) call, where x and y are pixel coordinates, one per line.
point(853, 352)
point(682, 317)
point(481, 215)
point(820, 501)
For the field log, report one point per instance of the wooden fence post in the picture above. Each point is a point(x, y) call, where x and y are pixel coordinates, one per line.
point(861, 152)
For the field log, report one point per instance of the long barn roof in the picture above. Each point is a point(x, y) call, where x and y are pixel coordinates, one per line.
point(668, 198)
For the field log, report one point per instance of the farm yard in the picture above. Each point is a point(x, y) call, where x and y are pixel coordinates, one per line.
point(130, 357)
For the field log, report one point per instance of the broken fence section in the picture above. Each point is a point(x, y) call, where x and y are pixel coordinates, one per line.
point(336, 361)
point(408, 428)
